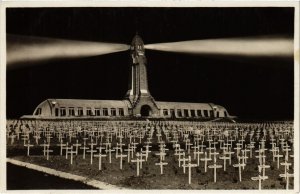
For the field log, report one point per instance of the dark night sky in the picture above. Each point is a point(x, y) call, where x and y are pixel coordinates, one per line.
point(256, 88)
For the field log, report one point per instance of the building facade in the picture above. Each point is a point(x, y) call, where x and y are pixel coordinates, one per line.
point(138, 101)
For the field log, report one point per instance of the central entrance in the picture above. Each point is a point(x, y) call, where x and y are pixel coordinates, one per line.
point(146, 111)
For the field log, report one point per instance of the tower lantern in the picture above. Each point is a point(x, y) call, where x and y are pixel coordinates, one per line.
point(138, 92)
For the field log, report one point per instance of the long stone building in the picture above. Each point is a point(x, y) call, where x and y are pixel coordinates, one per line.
point(138, 101)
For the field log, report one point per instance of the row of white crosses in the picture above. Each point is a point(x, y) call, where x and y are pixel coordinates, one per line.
point(240, 149)
point(261, 167)
point(243, 157)
point(161, 154)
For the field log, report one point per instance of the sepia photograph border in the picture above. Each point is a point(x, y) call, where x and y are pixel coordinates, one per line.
point(145, 3)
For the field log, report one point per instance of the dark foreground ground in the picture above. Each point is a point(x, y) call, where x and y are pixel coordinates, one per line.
point(21, 178)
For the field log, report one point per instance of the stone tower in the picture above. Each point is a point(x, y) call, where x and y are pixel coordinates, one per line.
point(143, 104)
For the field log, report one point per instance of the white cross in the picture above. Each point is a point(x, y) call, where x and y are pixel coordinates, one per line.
point(141, 159)
point(47, 151)
point(259, 178)
point(179, 157)
point(25, 137)
point(100, 148)
point(198, 156)
point(161, 164)
point(243, 158)
point(190, 165)
point(239, 165)
point(128, 150)
point(183, 159)
point(261, 157)
point(121, 156)
point(137, 165)
point(107, 145)
point(238, 148)
point(28, 145)
point(71, 152)
point(209, 153)
point(109, 151)
point(195, 147)
point(61, 147)
point(287, 176)
point(188, 146)
point(116, 149)
point(76, 146)
point(144, 153)
point(177, 148)
point(161, 155)
point(133, 149)
point(215, 155)
point(100, 156)
point(286, 166)
point(274, 151)
point(229, 153)
point(205, 159)
point(215, 166)
point(278, 156)
point(92, 151)
point(67, 150)
point(244, 152)
point(263, 167)
point(251, 146)
point(147, 151)
point(134, 146)
point(44, 146)
point(224, 158)
point(286, 153)
point(84, 149)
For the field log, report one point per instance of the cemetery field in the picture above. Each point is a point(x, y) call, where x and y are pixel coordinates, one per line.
point(161, 154)
point(150, 177)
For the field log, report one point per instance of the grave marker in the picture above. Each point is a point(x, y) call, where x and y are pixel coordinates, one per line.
point(121, 156)
point(205, 159)
point(259, 178)
point(215, 166)
point(287, 177)
point(161, 164)
point(190, 165)
point(137, 160)
point(28, 145)
point(47, 151)
point(239, 165)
